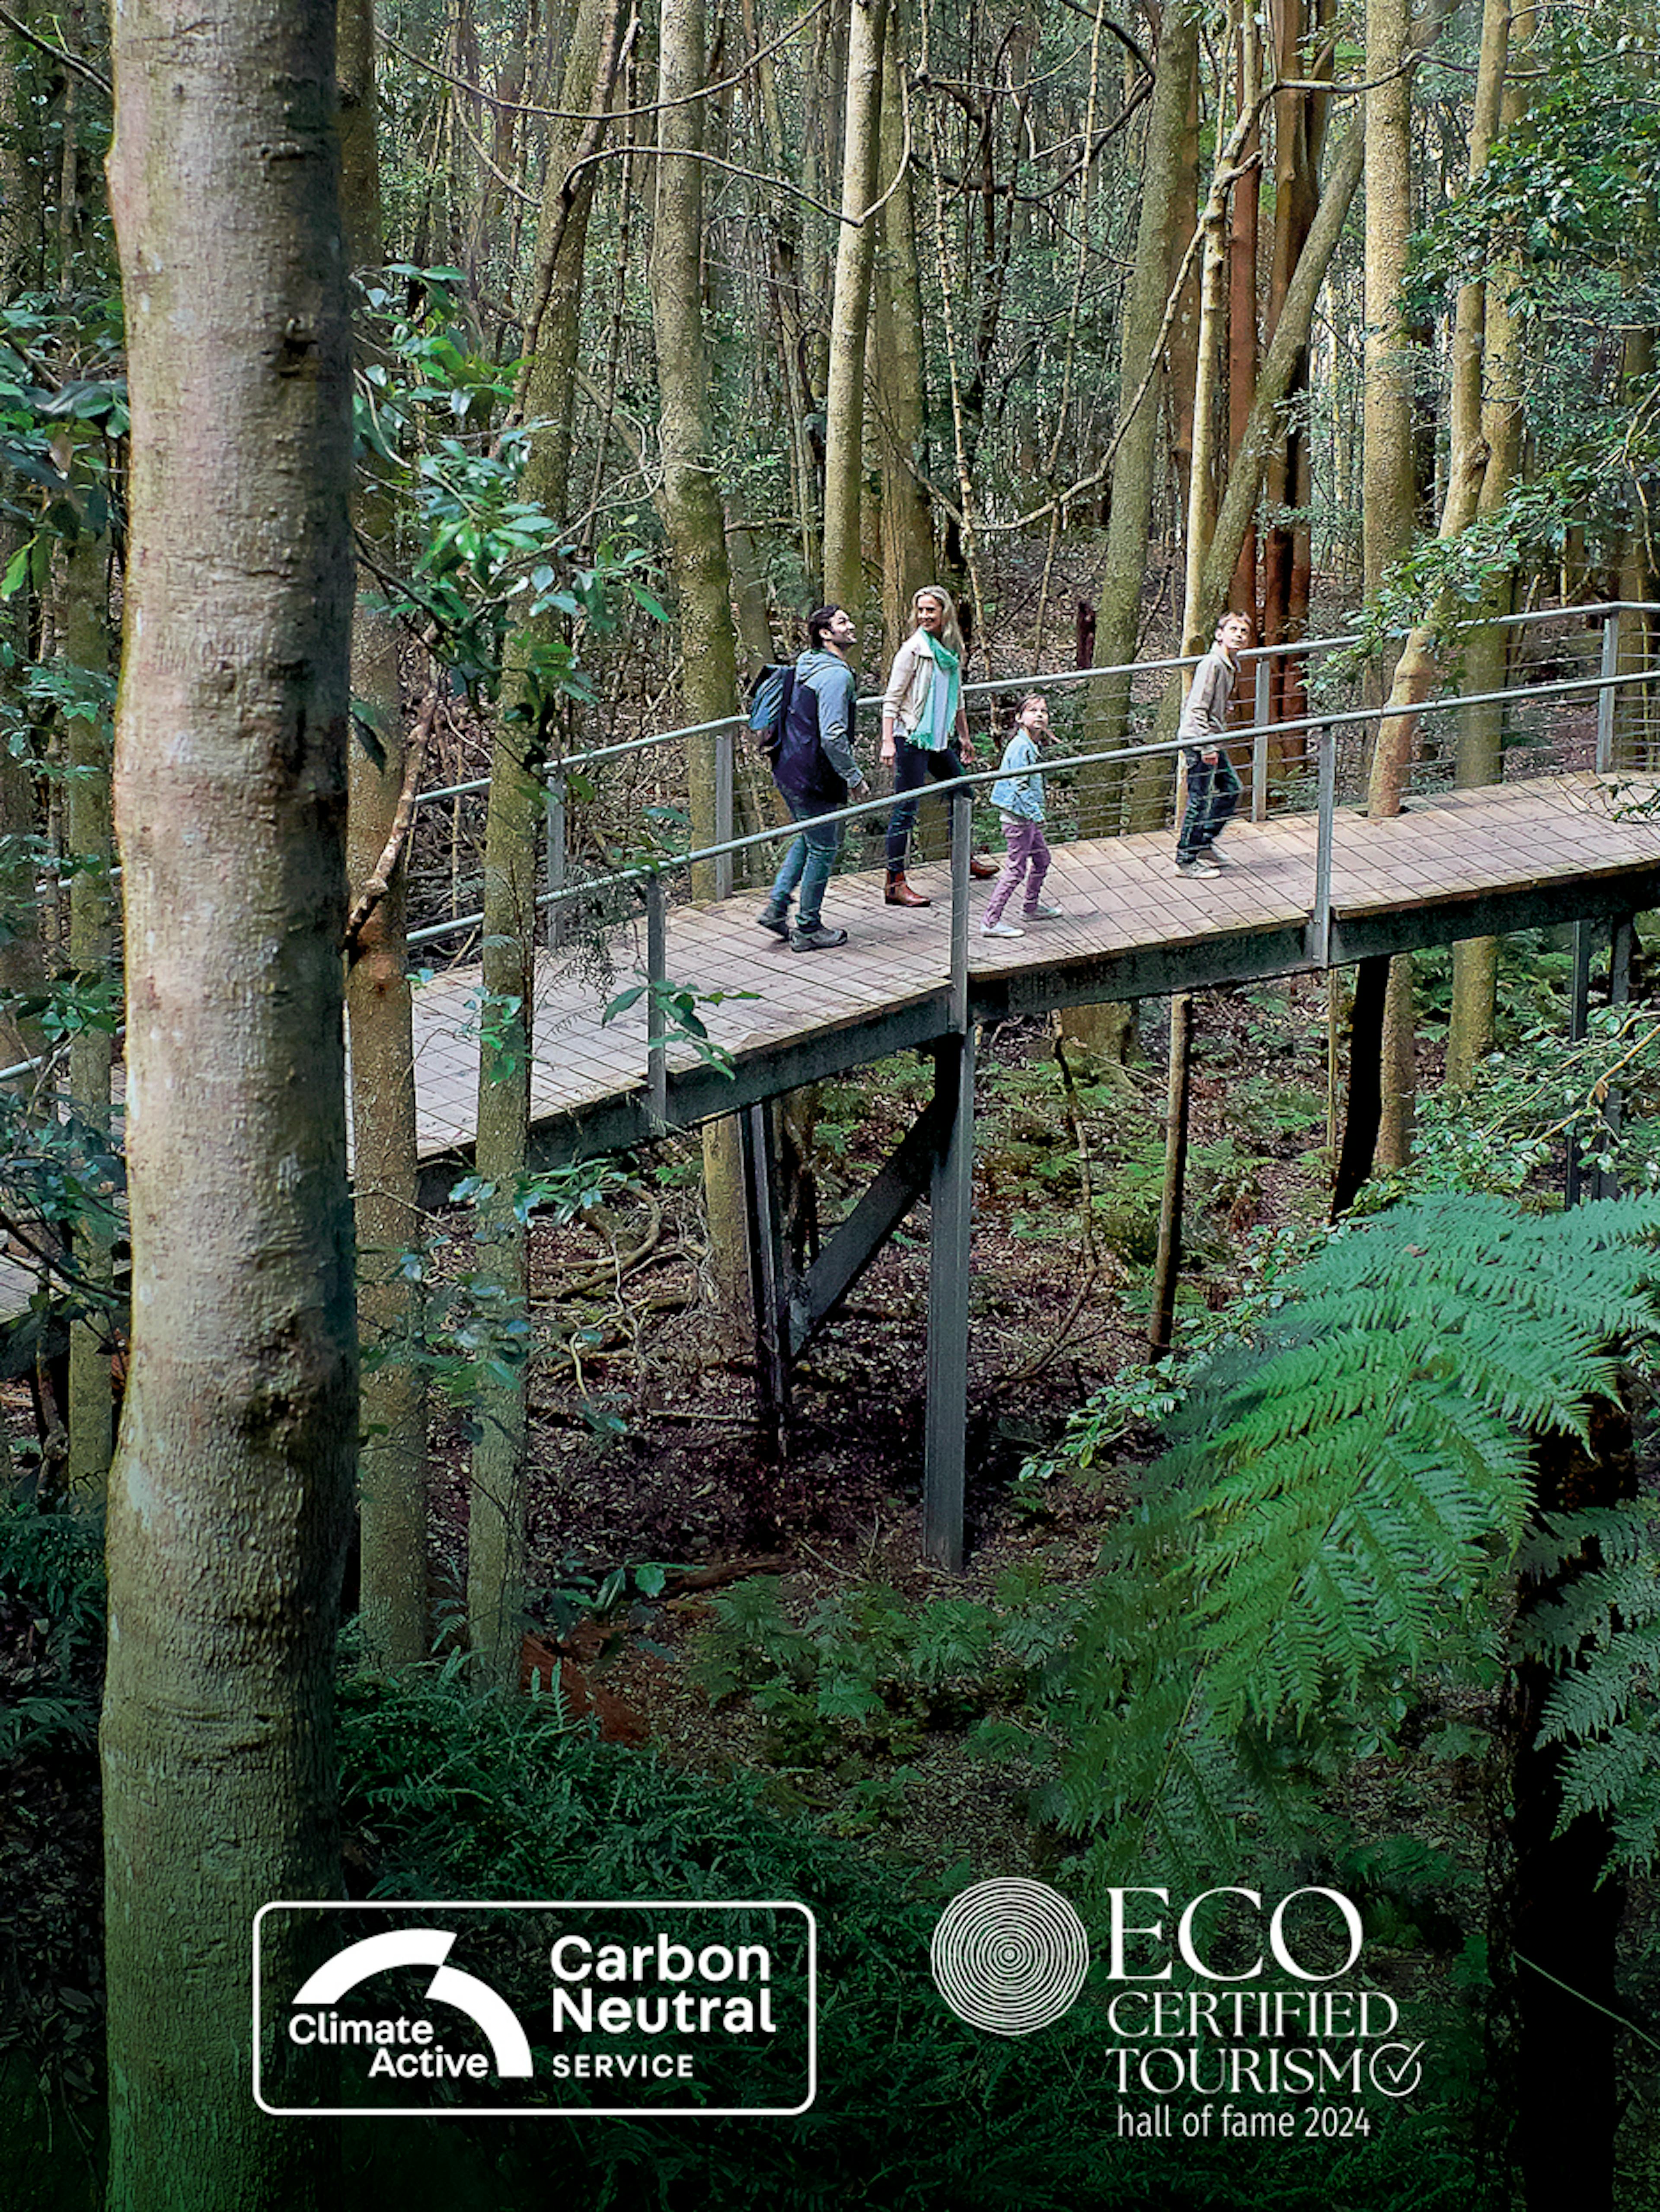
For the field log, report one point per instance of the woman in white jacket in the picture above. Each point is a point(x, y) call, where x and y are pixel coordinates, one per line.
point(924, 724)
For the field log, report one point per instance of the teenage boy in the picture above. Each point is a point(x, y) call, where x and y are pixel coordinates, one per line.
point(1018, 795)
point(1213, 785)
point(816, 773)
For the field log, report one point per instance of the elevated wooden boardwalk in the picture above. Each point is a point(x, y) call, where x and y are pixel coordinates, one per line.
point(1465, 863)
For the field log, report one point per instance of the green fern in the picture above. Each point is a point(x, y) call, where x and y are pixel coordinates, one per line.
point(1342, 1508)
point(1601, 1632)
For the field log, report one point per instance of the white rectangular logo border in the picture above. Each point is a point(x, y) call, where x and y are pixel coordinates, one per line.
point(547, 2112)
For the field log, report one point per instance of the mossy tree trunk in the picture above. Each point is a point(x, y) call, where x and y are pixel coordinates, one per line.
point(697, 533)
point(495, 1524)
point(392, 1462)
point(230, 1494)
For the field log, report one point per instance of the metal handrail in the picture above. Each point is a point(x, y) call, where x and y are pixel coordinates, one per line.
point(724, 730)
point(1604, 683)
point(1288, 649)
point(1318, 930)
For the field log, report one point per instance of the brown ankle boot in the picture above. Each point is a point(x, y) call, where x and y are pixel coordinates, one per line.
point(899, 893)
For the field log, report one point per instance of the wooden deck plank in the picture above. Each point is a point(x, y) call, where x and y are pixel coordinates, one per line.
point(1119, 896)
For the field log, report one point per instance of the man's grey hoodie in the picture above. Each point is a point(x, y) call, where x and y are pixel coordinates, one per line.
point(815, 764)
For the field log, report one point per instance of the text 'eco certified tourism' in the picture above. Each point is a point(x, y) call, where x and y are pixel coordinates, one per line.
point(615, 2008)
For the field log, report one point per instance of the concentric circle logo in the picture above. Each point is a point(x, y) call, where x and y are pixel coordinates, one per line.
point(1009, 1956)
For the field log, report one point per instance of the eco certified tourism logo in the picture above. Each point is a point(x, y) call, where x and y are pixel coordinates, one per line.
point(1232, 1999)
point(553, 2007)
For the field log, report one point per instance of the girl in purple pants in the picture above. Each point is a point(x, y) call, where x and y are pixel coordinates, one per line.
point(1019, 797)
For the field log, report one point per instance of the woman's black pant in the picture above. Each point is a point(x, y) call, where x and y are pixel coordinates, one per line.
point(912, 767)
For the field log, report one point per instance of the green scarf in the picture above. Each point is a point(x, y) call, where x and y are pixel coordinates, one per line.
point(934, 734)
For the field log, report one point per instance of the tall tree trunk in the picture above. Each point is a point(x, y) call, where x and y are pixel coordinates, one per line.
point(901, 371)
point(84, 642)
point(844, 410)
point(1106, 720)
point(1107, 712)
point(1388, 501)
point(391, 1472)
point(1479, 757)
point(1565, 1906)
point(1299, 135)
point(1167, 1263)
point(230, 1494)
point(696, 531)
point(22, 269)
point(1418, 667)
point(1148, 790)
point(1388, 497)
point(1242, 330)
point(1180, 351)
point(496, 1524)
point(547, 393)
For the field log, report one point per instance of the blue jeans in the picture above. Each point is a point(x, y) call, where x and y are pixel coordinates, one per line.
point(807, 861)
point(912, 766)
point(1213, 788)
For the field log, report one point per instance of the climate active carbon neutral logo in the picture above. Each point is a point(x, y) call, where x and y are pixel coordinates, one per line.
point(552, 2007)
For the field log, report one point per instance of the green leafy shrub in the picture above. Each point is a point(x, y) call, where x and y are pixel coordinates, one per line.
point(869, 1670)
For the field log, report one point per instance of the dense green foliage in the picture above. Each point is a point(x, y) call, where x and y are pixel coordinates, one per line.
point(449, 1794)
point(1339, 1517)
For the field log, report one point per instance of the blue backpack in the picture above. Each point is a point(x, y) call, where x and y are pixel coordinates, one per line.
point(769, 705)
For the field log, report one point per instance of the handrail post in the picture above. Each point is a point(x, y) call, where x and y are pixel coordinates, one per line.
point(1259, 745)
point(962, 833)
point(1605, 697)
point(1320, 919)
point(725, 748)
point(554, 824)
point(657, 1057)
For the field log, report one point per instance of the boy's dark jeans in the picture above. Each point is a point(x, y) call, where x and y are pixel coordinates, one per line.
point(1213, 789)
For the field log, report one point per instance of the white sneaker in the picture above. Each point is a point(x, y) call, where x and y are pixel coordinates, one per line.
point(1000, 929)
point(1197, 868)
point(1218, 860)
point(1042, 912)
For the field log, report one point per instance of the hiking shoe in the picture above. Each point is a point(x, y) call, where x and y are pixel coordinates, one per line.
point(1000, 929)
point(1200, 867)
point(817, 939)
point(1042, 912)
point(779, 924)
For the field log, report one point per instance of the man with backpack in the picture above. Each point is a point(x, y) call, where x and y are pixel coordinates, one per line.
point(811, 746)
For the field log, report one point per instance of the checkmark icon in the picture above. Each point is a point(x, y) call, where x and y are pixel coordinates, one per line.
point(1396, 2069)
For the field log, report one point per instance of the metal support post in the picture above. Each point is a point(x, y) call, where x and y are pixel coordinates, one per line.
point(657, 1057)
point(962, 834)
point(1320, 919)
point(1606, 696)
point(1259, 745)
point(1579, 1024)
point(724, 752)
point(1606, 1183)
point(554, 821)
point(767, 1288)
point(948, 1251)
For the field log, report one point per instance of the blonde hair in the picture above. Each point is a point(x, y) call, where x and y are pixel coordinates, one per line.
point(950, 636)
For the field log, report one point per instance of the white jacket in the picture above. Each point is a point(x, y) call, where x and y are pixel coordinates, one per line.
point(909, 680)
